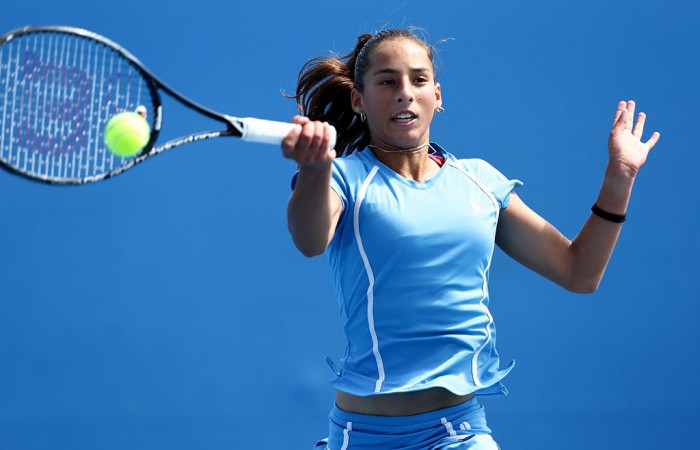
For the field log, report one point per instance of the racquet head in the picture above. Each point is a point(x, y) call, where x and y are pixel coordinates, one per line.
point(58, 88)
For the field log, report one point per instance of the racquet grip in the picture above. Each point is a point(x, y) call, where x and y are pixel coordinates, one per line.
point(271, 132)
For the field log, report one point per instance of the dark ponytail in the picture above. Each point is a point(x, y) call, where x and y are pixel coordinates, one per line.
point(323, 93)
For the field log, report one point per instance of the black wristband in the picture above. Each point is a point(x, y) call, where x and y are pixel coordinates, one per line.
point(617, 218)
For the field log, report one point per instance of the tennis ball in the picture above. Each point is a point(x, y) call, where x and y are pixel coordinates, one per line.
point(126, 134)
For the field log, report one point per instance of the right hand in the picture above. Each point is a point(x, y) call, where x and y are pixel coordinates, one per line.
point(309, 143)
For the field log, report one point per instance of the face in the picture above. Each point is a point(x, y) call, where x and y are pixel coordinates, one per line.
point(399, 95)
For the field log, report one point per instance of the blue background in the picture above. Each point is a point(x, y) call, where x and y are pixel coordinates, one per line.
point(168, 309)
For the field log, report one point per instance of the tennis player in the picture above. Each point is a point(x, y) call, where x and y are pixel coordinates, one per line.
point(410, 230)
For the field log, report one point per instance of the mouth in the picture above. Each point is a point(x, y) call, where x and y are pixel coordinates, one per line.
point(404, 117)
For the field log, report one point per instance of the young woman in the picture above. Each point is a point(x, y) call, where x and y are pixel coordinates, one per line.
point(410, 230)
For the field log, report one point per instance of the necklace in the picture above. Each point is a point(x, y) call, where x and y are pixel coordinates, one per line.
point(386, 148)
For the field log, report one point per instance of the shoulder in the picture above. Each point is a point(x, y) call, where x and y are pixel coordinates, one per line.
point(478, 169)
point(472, 164)
point(475, 165)
point(354, 167)
point(356, 161)
point(348, 174)
point(486, 175)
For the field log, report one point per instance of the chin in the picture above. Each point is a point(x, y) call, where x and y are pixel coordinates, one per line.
point(407, 139)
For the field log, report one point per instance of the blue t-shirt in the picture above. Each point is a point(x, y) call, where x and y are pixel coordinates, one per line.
point(410, 262)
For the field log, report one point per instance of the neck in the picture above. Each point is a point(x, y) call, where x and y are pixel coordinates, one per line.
point(412, 163)
point(387, 148)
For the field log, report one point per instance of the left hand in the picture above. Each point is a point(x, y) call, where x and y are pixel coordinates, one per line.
point(626, 150)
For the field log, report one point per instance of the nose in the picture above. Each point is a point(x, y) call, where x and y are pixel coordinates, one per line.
point(405, 92)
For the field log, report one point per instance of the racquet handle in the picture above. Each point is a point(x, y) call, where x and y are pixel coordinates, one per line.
point(270, 131)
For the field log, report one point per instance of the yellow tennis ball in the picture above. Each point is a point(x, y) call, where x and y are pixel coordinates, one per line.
point(127, 133)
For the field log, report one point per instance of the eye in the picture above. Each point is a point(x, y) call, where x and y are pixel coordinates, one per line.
point(386, 82)
point(421, 80)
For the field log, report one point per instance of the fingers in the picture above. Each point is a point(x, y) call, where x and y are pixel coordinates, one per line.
point(653, 140)
point(624, 119)
point(311, 137)
point(301, 120)
point(639, 126)
point(620, 107)
point(624, 115)
point(292, 137)
point(309, 144)
point(621, 118)
point(630, 114)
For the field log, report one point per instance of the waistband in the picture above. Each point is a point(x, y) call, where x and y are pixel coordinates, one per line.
point(428, 418)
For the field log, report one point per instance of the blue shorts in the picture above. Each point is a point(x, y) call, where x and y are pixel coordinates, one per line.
point(460, 427)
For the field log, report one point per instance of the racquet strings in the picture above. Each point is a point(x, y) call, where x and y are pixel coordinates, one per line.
point(57, 92)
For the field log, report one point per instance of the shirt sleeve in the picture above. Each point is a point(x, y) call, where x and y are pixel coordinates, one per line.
point(338, 184)
point(499, 185)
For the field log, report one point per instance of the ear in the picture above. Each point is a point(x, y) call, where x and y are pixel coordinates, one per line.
point(356, 101)
point(438, 95)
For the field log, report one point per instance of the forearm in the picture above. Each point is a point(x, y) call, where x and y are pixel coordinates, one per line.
point(312, 210)
point(579, 265)
point(593, 246)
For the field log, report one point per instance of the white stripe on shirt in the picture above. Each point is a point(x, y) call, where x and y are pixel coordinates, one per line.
point(484, 287)
point(370, 276)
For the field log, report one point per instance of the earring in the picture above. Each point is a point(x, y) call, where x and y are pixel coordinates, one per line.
point(363, 118)
point(440, 109)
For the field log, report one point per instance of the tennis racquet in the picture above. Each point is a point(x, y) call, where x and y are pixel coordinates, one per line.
point(58, 88)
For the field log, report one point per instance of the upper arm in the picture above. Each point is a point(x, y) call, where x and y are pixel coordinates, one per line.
point(313, 212)
point(532, 241)
point(335, 209)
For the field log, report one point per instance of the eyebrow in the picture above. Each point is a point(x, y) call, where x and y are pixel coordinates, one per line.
point(395, 71)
